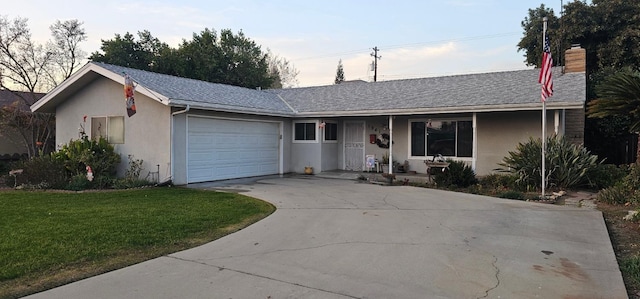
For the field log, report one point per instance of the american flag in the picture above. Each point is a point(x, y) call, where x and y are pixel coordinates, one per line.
point(545, 71)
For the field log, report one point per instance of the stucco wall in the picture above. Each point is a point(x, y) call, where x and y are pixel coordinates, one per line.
point(500, 132)
point(146, 132)
point(497, 134)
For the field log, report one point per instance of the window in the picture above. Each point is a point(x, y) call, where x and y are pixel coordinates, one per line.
point(305, 131)
point(108, 127)
point(330, 131)
point(447, 138)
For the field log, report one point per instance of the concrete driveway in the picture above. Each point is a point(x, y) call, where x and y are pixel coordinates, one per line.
point(342, 239)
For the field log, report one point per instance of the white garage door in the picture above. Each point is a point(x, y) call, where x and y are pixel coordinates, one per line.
point(221, 149)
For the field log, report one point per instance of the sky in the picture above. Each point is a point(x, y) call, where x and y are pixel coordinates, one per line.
point(419, 38)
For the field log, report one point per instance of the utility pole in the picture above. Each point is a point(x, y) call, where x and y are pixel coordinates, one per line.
point(375, 63)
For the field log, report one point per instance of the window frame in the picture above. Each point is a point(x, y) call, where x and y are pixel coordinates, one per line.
point(426, 139)
point(315, 125)
point(324, 132)
point(107, 124)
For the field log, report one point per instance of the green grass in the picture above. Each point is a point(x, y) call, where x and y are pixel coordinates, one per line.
point(630, 268)
point(51, 238)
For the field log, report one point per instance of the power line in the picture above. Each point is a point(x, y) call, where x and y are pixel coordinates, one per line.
point(410, 45)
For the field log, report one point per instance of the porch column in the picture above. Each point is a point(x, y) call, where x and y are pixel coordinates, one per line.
point(556, 121)
point(474, 151)
point(390, 144)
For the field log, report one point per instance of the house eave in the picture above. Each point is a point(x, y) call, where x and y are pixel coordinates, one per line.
point(444, 110)
point(228, 109)
point(88, 73)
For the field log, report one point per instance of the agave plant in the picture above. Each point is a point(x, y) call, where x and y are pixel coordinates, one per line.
point(566, 164)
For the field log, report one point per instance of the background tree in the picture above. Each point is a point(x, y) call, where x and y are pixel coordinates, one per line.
point(284, 73)
point(28, 69)
point(227, 58)
point(608, 30)
point(531, 42)
point(619, 94)
point(144, 53)
point(339, 73)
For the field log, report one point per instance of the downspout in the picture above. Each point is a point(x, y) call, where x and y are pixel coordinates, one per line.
point(171, 138)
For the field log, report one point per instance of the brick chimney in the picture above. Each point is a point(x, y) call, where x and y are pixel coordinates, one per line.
point(575, 59)
point(575, 62)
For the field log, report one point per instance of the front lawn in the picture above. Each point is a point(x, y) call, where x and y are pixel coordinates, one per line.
point(52, 238)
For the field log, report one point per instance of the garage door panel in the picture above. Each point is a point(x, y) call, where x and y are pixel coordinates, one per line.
point(223, 149)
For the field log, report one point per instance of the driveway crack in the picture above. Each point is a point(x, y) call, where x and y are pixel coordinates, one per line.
point(264, 277)
point(387, 203)
point(486, 293)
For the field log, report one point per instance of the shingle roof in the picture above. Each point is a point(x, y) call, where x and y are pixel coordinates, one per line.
point(8, 97)
point(488, 90)
point(183, 91)
point(514, 90)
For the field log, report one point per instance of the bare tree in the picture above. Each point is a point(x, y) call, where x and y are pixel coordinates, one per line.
point(28, 69)
point(284, 73)
point(67, 54)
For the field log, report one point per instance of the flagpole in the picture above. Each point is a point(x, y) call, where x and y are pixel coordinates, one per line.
point(544, 117)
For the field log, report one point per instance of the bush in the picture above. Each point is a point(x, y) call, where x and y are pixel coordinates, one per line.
point(42, 172)
point(78, 182)
point(458, 174)
point(605, 175)
point(98, 154)
point(511, 194)
point(567, 164)
point(625, 191)
point(497, 181)
point(615, 195)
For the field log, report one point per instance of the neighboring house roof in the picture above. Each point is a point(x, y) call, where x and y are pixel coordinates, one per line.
point(9, 97)
point(499, 91)
point(513, 90)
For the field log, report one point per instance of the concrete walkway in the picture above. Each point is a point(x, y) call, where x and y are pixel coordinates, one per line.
point(342, 239)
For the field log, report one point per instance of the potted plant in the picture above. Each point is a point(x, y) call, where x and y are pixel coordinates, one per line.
point(385, 162)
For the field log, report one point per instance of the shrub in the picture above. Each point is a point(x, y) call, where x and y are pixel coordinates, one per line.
point(605, 175)
point(512, 194)
point(567, 164)
point(78, 182)
point(459, 174)
point(626, 191)
point(134, 169)
point(42, 172)
point(497, 181)
point(98, 154)
point(613, 195)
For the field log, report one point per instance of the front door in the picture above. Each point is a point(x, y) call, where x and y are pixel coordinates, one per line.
point(354, 146)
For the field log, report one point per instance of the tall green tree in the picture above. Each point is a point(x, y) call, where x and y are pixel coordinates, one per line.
point(229, 58)
point(531, 41)
point(28, 69)
point(339, 73)
point(144, 53)
point(609, 31)
point(619, 94)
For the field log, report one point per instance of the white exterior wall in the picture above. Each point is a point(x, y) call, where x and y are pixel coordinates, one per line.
point(145, 136)
point(497, 134)
point(500, 132)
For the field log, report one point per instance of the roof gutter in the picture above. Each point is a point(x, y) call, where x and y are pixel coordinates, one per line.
point(182, 111)
point(441, 110)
